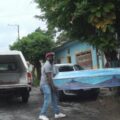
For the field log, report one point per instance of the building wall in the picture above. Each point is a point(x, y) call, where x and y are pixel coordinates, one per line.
point(73, 48)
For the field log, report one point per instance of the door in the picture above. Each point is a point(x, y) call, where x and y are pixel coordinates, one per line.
point(84, 59)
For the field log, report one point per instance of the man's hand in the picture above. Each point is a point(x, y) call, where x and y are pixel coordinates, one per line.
point(50, 82)
point(54, 89)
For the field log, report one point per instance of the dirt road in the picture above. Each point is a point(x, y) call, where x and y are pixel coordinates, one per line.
point(106, 107)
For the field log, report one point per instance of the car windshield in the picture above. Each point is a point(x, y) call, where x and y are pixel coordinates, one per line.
point(78, 67)
point(65, 68)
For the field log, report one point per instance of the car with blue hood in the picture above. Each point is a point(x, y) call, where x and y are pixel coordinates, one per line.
point(71, 87)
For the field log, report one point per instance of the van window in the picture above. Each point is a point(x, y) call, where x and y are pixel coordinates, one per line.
point(8, 67)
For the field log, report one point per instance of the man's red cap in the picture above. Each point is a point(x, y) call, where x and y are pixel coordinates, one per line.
point(49, 54)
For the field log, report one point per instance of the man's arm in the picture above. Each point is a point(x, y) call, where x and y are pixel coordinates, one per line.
point(50, 81)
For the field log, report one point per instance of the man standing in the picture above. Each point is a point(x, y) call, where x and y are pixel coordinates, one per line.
point(48, 89)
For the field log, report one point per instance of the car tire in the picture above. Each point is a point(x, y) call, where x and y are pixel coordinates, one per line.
point(95, 93)
point(61, 95)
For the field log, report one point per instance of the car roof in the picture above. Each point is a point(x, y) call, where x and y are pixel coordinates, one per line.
point(64, 64)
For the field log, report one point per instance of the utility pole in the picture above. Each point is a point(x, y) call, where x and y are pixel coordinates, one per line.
point(18, 29)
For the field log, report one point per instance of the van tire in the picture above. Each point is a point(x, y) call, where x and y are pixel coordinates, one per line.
point(25, 97)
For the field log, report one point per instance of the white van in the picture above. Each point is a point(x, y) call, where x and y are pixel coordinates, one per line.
point(13, 75)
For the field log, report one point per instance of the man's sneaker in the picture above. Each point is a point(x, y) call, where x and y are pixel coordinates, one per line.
point(43, 117)
point(60, 115)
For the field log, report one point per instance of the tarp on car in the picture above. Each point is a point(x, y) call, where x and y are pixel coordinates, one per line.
point(86, 79)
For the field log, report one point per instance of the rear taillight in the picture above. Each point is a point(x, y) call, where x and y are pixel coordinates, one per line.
point(29, 77)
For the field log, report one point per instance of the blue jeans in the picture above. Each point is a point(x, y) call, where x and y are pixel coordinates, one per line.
point(49, 98)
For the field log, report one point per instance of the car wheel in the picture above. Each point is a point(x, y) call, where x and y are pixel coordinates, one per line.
point(61, 95)
point(95, 93)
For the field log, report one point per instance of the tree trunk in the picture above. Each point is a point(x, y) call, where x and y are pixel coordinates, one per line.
point(112, 62)
point(38, 69)
point(117, 22)
point(112, 59)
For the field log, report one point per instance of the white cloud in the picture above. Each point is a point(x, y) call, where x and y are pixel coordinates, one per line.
point(21, 13)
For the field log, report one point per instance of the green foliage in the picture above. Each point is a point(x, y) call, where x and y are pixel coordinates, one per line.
point(92, 21)
point(36, 82)
point(62, 38)
point(34, 46)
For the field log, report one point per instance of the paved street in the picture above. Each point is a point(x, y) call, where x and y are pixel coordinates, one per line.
point(104, 108)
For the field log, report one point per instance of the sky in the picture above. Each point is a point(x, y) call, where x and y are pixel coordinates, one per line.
point(13, 13)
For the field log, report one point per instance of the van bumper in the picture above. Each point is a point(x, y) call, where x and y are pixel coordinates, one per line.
point(15, 90)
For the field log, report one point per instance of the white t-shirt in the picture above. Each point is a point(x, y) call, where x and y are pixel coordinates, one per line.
point(47, 68)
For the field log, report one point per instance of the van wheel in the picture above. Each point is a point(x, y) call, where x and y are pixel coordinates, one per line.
point(25, 97)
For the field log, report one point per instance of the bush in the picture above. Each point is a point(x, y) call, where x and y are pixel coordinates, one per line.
point(36, 82)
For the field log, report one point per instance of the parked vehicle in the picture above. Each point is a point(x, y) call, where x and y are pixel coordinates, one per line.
point(75, 92)
point(68, 67)
point(13, 75)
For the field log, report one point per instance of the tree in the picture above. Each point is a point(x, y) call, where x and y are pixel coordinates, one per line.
point(94, 21)
point(34, 46)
